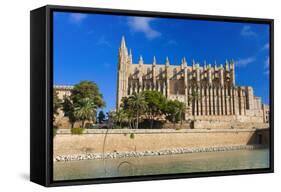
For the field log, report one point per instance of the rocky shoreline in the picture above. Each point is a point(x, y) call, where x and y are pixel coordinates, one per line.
point(173, 151)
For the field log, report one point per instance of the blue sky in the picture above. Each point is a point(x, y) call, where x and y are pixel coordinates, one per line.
point(86, 48)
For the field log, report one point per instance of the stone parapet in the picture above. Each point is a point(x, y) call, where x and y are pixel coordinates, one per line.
point(118, 140)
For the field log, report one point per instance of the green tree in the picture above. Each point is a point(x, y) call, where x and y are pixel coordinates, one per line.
point(57, 103)
point(101, 117)
point(124, 117)
point(170, 110)
point(155, 103)
point(137, 104)
point(174, 110)
point(194, 97)
point(84, 95)
point(85, 110)
point(87, 89)
point(68, 109)
point(129, 111)
point(118, 117)
point(181, 111)
point(112, 120)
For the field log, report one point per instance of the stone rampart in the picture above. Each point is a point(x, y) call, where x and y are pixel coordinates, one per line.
point(120, 140)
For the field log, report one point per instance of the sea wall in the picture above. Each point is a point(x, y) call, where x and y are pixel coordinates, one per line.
point(121, 140)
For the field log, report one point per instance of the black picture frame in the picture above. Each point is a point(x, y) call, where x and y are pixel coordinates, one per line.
point(41, 91)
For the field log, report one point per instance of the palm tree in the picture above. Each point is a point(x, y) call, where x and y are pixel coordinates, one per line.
point(138, 104)
point(181, 110)
point(68, 109)
point(57, 104)
point(119, 116)
point(111, 118)
point(85, 110)
point(194, 97)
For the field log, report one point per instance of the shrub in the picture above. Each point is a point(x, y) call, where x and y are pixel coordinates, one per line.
point(157, 124)
point(55, 131)
point(132, 135)
point(77, 131)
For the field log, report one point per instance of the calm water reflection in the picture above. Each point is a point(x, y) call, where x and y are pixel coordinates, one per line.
point(183, 163)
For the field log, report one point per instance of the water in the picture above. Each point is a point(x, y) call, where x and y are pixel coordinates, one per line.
point(154, 165)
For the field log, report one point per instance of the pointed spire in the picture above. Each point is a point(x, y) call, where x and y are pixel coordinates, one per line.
point(154, 60)
point(167, 61)
point(131, 56)
point(232, 64)
point(226, 65)
point(216, 65)
point(123, 43)
point(193, 64)
point(123, 51)
point(141, 60)
point(183, 62)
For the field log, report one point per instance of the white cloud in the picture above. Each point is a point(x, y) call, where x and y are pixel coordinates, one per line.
point(172, 42)
point(142, 24)
point(103, 42)
point(248, 32)
point(266, 63)
point(266, 66)
point(265, 47)
point(245, 61)
point(77, 17)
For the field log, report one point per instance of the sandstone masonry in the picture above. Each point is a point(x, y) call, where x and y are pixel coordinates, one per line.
point(206, 90)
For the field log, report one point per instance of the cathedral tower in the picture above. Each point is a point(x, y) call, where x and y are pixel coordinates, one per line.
point(124, 59)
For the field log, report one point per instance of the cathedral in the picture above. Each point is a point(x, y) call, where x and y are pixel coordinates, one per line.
point(209, 91)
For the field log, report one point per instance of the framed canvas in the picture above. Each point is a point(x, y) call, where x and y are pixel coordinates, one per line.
point(125, 95)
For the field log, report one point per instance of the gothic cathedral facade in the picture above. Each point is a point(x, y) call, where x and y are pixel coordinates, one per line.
point(207, 91)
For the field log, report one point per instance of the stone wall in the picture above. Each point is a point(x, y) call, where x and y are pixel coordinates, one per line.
point(93, 141)
point(231, 118)
point(216, 124)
